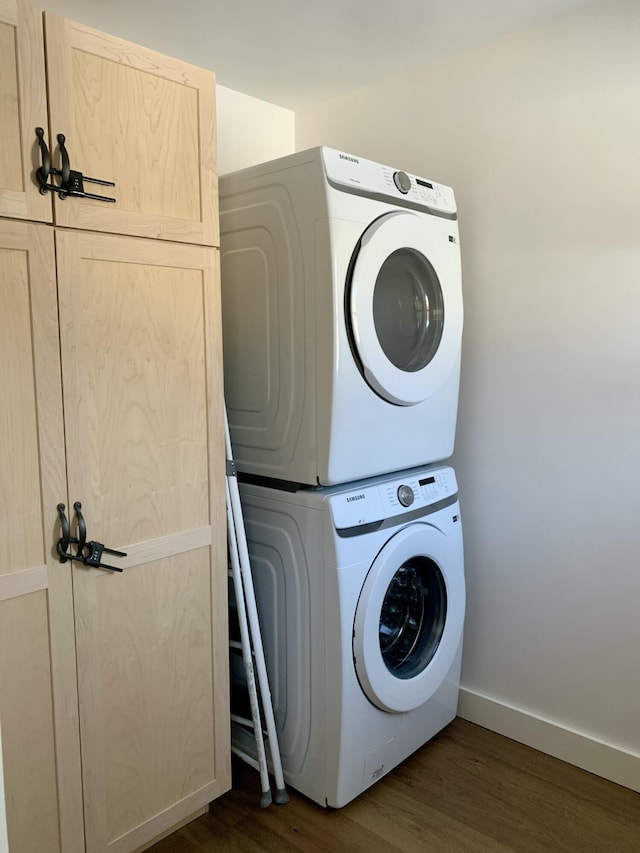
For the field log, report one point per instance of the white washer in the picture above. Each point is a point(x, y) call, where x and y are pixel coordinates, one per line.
point(342, 317)
point(361, 597)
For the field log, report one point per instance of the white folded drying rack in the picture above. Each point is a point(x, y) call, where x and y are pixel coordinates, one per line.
point(250, 645)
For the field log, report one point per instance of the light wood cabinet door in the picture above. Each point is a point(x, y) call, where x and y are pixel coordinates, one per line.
point(138, 118)
point(23, 107)
point(141, 354)
point(38, 696)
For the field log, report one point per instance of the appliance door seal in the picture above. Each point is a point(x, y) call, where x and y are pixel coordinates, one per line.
point(409, 618)
point(404, 306)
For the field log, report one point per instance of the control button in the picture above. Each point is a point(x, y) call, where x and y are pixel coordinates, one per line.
point(402, 181)
point(405, 495)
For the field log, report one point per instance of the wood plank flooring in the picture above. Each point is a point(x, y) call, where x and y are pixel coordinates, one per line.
point(467, 790)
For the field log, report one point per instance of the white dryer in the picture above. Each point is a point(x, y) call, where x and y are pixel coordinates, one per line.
point(342, 317)
point(361, 598)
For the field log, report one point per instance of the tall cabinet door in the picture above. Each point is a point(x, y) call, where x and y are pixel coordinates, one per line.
point(142, 120)
point(141, 350)
point(23, 107)
point(40, 735)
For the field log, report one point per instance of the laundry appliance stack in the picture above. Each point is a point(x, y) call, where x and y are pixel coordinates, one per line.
point(342, 320)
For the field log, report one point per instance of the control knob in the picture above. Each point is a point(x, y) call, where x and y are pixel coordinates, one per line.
point(405, 495)
point(402, 181)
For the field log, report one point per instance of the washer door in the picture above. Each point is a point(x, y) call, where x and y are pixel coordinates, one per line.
point(404, 308)
point(409, 619)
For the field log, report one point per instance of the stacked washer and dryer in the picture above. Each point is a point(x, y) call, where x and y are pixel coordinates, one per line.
point(342, 319)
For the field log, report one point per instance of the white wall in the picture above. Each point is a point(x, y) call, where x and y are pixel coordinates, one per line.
point(539, 134)
point(250, 131)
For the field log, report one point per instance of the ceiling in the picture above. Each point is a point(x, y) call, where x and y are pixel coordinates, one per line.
point(296, 52)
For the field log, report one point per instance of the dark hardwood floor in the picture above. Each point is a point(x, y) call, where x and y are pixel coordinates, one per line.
point(468, 790)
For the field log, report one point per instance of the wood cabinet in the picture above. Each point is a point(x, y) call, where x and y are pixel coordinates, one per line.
point(140, 338)
point(23, 107)
point(142, 120)
point(38, 697)
point(128, 115)
point(113, 685)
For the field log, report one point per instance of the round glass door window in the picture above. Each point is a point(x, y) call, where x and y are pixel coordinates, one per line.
point(403, 271)
point(408, 310)
point(408, 622)
point(412, 617)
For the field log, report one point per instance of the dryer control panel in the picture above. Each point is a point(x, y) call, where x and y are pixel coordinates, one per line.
point(365, 177)
point(383, 498)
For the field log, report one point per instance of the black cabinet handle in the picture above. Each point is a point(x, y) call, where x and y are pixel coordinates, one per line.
point(87, 553)
point(71, 181)
point(65, 539)
point(66, 166)
point(82, 527)
point(42, 172)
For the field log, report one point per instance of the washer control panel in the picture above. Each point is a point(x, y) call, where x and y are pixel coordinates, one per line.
point(381, 498)
point(365, 177)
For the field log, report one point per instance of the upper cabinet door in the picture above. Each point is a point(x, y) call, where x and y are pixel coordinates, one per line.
point(23, 107)
point(140, 119)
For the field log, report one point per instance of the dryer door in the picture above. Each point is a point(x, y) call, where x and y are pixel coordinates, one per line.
point(409, 619)
point(404, 305)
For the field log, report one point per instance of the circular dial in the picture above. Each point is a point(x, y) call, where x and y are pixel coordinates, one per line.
point(405, 495)
point(402, 181)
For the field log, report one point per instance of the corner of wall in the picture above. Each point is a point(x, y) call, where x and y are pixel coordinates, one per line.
point(251, 131)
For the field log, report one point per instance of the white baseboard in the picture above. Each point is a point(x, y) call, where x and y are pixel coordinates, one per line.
point(597, 756)
point(4, 841)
